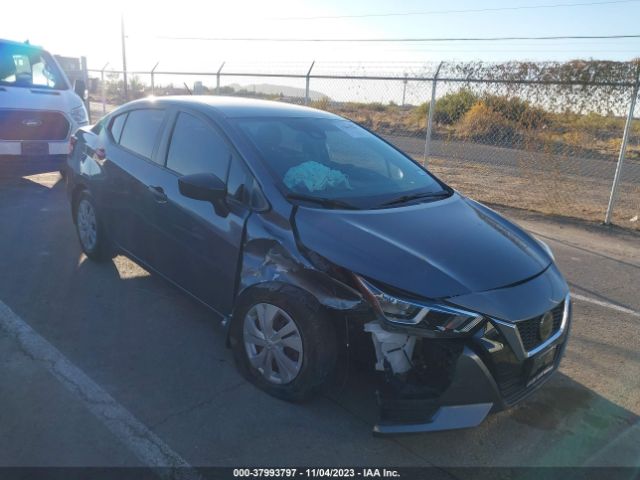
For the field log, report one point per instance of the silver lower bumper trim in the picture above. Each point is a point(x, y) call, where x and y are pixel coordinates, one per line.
point(446, 418)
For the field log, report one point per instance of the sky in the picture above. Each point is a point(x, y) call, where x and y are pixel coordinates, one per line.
point(92, 29)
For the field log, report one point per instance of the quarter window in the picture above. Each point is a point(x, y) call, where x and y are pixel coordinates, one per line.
point(239, 181)
point(141, 131)
point(197, 148)
point(116, 126)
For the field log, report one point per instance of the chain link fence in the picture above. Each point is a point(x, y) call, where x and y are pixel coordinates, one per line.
point(539, 136)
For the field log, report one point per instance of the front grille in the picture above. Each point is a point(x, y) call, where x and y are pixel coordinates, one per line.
point(530, 332)
point(514, 376)
point(32, 125)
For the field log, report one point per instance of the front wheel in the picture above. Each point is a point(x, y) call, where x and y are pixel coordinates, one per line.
point(282, 342)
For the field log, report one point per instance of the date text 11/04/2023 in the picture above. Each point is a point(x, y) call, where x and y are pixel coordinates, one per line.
point(315, 472)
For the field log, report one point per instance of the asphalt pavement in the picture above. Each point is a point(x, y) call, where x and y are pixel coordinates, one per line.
point(108, 365)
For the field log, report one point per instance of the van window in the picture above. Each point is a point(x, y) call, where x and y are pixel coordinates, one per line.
point(141, 130)
point(26, 66)
point(197, 148)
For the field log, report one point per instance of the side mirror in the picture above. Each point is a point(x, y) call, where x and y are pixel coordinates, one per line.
point(202, 186)
point(80, 88)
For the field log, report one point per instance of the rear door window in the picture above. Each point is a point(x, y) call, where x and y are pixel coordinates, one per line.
point(197, 148)
point(141, 130)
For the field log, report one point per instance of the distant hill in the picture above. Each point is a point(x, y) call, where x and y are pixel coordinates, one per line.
point(285, 90)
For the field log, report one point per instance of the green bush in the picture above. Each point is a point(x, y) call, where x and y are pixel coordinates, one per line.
point(452, 107)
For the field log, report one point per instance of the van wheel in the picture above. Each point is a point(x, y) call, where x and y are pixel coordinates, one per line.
point(283, 342)
point(89, 228)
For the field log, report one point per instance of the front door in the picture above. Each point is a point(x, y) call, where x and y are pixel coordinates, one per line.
point(196, 247)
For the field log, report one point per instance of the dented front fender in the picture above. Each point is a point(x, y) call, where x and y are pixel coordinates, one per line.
point(272, 255)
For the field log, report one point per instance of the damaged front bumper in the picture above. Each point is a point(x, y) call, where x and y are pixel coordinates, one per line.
point(455, 383)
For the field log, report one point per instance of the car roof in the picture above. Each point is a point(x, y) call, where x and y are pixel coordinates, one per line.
point(237, 107)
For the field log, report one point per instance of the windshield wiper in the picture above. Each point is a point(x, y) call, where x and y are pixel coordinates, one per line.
point(417, 196)
point(325, 202)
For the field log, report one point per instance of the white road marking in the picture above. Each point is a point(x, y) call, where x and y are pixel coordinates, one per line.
point(612, 306)
point(141, 441)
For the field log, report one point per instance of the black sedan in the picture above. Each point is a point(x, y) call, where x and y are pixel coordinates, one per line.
point(314, 240)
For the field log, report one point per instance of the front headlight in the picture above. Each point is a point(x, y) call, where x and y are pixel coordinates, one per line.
point(79, 115)
point(430, 317)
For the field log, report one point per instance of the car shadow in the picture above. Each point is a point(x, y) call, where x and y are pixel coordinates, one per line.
point(17, 166)
point(23, 177)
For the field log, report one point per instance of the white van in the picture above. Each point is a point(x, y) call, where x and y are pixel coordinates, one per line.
point(38, 108)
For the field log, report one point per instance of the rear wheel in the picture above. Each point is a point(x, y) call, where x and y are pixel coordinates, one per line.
point(282, 342)
point(89, 228)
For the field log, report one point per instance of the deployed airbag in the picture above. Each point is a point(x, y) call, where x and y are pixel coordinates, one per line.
point(315, 177)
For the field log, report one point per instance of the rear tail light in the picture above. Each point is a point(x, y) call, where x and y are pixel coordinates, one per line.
point(72, 143)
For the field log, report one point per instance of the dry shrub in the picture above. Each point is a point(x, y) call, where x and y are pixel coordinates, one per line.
point(483, 124)
point(519, 111)
point(322, 104)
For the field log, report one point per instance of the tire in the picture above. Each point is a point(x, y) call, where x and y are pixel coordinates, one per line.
point(317, 340)
point(89, 228)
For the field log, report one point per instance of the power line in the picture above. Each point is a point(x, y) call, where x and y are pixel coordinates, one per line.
point(441, 12)
point(400, 40)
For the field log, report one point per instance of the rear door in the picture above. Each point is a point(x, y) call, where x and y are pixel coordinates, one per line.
point(196, 247)
point(129, 167)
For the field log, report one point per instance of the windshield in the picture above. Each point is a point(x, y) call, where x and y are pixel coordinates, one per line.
point(25, 66)
point(335, 159)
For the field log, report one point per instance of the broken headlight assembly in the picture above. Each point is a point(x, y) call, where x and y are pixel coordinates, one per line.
point(424, 318)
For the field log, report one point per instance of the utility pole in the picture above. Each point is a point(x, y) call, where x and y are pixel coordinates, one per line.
point(124, 60)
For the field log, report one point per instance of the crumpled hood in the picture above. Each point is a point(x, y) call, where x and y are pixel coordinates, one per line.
point(435, 250)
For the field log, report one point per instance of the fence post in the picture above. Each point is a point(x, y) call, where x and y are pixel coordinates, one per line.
point(104, 89)
point(623, 150)
point(85, 79)
point(432, 107)
point(218, 78)
point(404, 88)
point(153, 79)
point(306, 88)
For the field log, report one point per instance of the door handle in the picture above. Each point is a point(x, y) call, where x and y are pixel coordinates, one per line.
point(158, 193)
